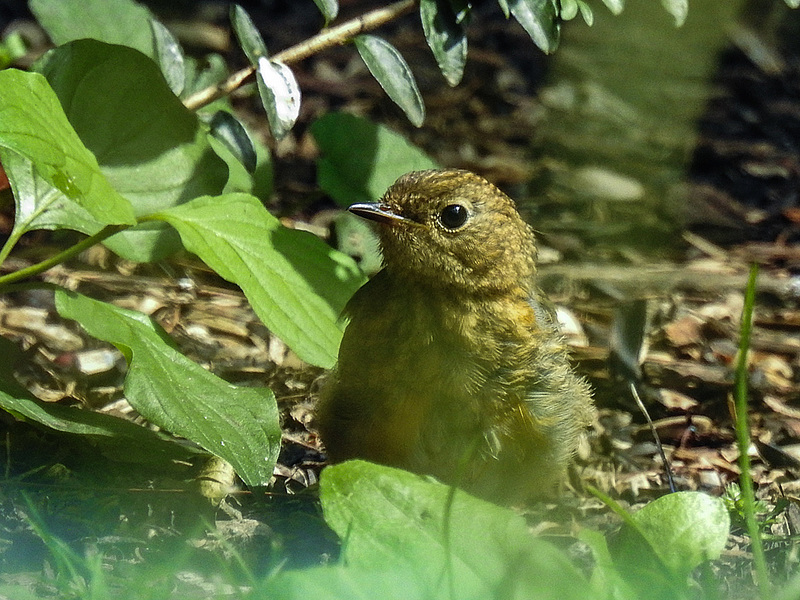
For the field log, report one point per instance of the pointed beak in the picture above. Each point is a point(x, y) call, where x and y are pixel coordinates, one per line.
point(380, 213)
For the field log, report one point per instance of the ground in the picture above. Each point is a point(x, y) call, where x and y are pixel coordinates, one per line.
point(675, 336)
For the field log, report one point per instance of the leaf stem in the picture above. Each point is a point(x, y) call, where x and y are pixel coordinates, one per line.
point(323, 40)
point(743, 438)
point(13, 238)
point(40, 267)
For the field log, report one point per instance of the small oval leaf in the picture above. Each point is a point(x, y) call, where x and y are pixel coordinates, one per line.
point(280, 95)
point(170, 57)
point(539, 18)
point(249, 38)
point(569, 8)
point(586, 12)
point(394, 75)
point(615, 6)
point(328, 8)
point(678, 9)
point(504, 7)
point(228, 130)
point(446, 37)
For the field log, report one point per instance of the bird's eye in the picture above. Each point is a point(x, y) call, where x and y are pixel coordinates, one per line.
point(453, 216)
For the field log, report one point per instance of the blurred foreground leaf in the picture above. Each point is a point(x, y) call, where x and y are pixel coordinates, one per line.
point(393, 520)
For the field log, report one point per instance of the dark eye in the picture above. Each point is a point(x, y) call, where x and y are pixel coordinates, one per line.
point(453, 216)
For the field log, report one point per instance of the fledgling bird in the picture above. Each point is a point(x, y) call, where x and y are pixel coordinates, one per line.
point(451, 364)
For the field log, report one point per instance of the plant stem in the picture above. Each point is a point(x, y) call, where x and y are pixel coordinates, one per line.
point(104, 233)
point(13, 238)
point(323, 40)
point(743, 439)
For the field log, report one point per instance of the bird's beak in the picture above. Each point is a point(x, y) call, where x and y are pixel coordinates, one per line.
point(380, 213)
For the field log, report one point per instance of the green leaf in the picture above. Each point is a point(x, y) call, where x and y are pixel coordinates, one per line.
point(504, 7)
point(339, 582)
point(119, 439)
point(227, 129)
point(13, 46)
point(358, 239)
point(121, 22)
point(607, 581)
point(280, 95)
point(202, 73)
point(296, 283)
point(446, 37)
point(617, 6)
point(678, 9)
point(33, 125)
point(462, 9)
point(569, 9)
point(586, 12)
point(670, 538)
point(360, 159)
point(328, 8)
point(793, 3)
point(394, 520)
point(539, 18)
point(685, 529)
point(149, 146)
point(248, 35)
point(170, 57)
point(394, 75)
point(238, 424)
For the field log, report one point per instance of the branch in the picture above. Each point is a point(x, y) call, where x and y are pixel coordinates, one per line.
point(322, 41)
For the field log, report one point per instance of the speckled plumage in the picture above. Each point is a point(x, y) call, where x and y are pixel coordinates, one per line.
point(451, 365)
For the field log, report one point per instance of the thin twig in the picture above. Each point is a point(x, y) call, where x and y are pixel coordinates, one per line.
point(323, 40)
point(654, 432)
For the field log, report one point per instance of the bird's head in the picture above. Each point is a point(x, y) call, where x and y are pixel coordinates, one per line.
point(452, 228)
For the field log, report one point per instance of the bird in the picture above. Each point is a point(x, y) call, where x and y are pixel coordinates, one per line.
point(451, 364)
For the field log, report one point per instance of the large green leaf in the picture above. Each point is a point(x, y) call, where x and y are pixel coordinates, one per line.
point(391, 70)
point(394, 520)
point(238, 424)
point(121, 22)
point(446, 37)
point(38, 204)
point(149, 146)
point(339, 582)
point(119, 439)
point(361, 159)
point(33, 125)
point(296, 283)
point(540, 19)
